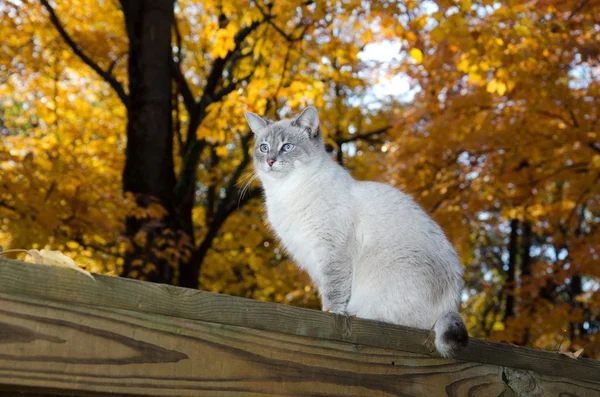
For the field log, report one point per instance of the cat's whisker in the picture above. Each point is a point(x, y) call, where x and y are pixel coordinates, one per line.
point(246, 187)
point(246, 177)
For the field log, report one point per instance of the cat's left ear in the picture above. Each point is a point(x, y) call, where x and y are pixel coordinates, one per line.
point(309, 120)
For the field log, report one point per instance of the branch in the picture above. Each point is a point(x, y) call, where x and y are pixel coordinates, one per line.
point(573, 118)
point(8, 207)
point(178, 40)
point(187, 176)
point(366, 136)
point(177, 120)
point(219, 64)
point(225, 208)
point(594, 146)
point(232, 84)
point(241, 166)
point(581, 167)
point(109, 78)
point(554, 116)
point(223, 92)
point(228, 204)
point(235, 59)
point(577, 9)
point(269, 18)
point(112, 65)
point(184, 87)
point(578, 202)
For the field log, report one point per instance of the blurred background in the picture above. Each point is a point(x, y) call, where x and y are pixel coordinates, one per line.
point(123, 142)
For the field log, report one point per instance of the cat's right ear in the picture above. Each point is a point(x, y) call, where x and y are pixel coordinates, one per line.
point(255, 122)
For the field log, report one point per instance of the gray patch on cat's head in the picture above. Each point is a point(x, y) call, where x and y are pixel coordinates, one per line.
point(303, 132)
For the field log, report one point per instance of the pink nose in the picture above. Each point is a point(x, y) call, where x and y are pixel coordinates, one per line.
point(270, 162)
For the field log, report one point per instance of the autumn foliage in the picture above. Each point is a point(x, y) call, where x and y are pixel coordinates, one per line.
point(497, 136)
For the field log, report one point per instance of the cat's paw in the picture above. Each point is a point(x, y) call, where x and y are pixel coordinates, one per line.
point(340, 312)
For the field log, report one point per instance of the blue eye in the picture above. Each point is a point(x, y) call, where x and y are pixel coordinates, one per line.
point(264, 148)
point(288, 147)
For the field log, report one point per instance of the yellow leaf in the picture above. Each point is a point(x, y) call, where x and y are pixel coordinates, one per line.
point(500, 88)
point(417, 55)
point(367, 36)
point(224, 43)
point(56, 259)
point(463, 65)
point(476, 78)
point(222, 151)
point(492, 86)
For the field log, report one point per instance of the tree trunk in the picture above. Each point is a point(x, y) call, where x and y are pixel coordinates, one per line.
point(525, 296)
point(149, 169)
point(510, 275)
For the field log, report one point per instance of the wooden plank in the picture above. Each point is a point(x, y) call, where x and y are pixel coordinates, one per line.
point(64, 285)
point(55, 347)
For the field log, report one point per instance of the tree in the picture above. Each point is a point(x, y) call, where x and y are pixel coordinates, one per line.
point(501, 144)
point(182, 72)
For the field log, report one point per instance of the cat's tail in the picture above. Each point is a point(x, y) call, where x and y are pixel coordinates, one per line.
point(450, 334)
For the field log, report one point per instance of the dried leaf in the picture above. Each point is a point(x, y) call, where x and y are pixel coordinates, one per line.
point(37, 258)
point(56, 259)
point(572, 355)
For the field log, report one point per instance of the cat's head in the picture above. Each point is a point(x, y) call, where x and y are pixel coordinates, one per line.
point(287, 145)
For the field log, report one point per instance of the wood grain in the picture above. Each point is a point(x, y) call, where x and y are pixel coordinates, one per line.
point(72, 348)
point(109, 292)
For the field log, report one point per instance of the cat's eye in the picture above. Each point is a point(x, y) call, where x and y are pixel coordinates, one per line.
point(264, 148)
point(288, 147)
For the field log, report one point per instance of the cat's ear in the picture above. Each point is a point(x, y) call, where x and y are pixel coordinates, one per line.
point(309, 120)
point(256, 122)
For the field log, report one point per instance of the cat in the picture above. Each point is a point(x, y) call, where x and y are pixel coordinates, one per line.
point(369, 248)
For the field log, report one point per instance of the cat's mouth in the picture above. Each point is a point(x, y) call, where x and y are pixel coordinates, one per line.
point(273, 171)
point(273, 168)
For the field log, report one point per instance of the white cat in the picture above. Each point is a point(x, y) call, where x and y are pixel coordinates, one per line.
point(369, 248)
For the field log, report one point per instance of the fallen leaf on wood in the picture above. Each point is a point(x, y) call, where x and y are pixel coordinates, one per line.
point(52, 258)
point(573, 355)
point(56, 259)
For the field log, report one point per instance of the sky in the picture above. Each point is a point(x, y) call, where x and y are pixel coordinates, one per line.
point(387, 53)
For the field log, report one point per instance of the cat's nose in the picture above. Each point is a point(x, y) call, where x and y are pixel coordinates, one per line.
point(271, 162)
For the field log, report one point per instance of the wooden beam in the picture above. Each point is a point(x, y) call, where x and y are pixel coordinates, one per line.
point(59, 347)
point(21, 279)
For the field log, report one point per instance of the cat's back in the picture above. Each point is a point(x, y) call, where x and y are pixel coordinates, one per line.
point(390, 216)
point(384, 201)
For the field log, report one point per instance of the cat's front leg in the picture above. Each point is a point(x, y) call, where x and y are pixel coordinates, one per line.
point(336, 284)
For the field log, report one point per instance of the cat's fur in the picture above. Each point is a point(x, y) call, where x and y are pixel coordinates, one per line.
point(369, 248)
